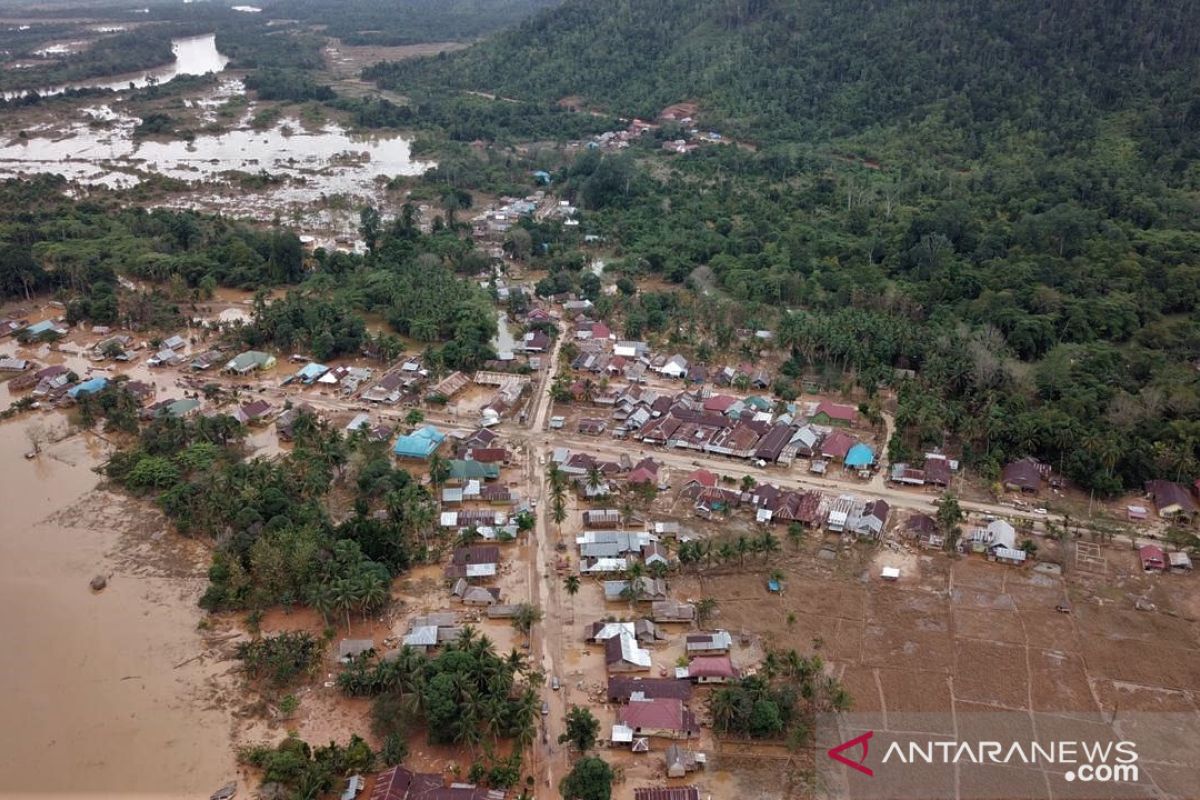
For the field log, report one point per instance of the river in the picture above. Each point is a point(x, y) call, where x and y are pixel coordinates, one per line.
point(107, 694)
point(194, 55)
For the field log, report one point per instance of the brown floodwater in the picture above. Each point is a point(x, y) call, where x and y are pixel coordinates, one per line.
point(106, 694)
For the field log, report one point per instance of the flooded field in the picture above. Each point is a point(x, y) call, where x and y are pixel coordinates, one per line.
point(117, 692)
point(194, 55)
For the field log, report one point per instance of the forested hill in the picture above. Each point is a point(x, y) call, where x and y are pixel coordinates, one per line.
point(835, 66)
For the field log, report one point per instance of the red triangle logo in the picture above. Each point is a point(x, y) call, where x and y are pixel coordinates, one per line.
point(850, 744)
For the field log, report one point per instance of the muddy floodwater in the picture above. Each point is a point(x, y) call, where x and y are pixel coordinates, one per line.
point(194, 55)
point(111, 694)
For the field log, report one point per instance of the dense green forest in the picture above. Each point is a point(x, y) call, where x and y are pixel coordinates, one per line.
point(368, 22)
point(1001, 198)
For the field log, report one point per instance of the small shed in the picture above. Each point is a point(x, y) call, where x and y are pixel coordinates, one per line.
point(890, 574)
point(1180, 562)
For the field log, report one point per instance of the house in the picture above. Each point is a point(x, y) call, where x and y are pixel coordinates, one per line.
point(14, 364)
point(919, 524)
point(206, 360)
point(476, 561)
point(860, 456)
point(807, 441)
point(709, 643)
point(90, 386)
point(388, 389)
point(840, 512)
point(421, 443)
point(709, 669)
point(285, 423)
point(176, 342)
point(938, 471)
point(672, 611)
point(654, 553)
point(700, 479)
point(535, 342)
point(421, 637)
point(872, 520)
point(252, 412)
point(1152, 558)
point(649, 590)
point(665, 793)
point(622, 654)
point(44, 328)
point(591, 426)
point(663, 717)
point(601, 517)
point(622, 689)
point(675, 367)
point(479, 596)
point(349, 649)
point(463, 470)
point(250, 361)
point(680, 762)
point(487, 455)
point(631, 349)
point(837, 445)
point(998, 533)
point(1172, 500)
point(602, 565)
point(311, 372)
point(1023, 476)
point(837, 414)
point(1180, 562)
point(140, 391)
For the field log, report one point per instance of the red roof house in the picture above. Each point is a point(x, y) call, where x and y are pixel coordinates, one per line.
point(711, 669)
point(663, 716)
point(1152, 557)
point(701, 477)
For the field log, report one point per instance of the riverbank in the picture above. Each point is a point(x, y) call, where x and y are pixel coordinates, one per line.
point(117, 692)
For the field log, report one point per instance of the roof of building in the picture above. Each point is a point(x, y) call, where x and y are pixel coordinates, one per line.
point(623, 687)
point(623, 648)
point(860, 455)
point(1168, 494)
point(469, 469)
point(664, 793)
point(711, 640)
point(1025, 474)
point(421, 443)
point(661, 713)
point(711, 667)
point(838, 411)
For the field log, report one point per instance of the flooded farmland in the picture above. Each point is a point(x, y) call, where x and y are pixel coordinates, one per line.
point(117, 692)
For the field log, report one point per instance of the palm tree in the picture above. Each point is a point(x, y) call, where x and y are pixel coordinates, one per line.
point(526, 617)
point(347, 595)
point(704, 610)
point(439, 471)
point(571, 584)
point(723, 707)
point(742, 546)
point(595, 477)
point(767, 544)
point(321, 598)
point(558, 512)
point(795, 533)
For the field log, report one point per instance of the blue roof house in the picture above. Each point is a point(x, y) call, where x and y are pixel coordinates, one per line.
point(311, 371)
point(90, 386)
point(860, 456)
point(421, 443)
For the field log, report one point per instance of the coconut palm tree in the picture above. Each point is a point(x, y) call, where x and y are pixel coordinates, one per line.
point(742, 546)
point(595, 478)
point(795, 533)
point(767, 544)
point(571, 584)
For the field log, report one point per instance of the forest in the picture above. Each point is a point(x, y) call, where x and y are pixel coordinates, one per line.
point(992, 211)
point(367, 22)
point(117, 54)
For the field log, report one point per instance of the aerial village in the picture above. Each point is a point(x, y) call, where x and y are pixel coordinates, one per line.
point(625, 513)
